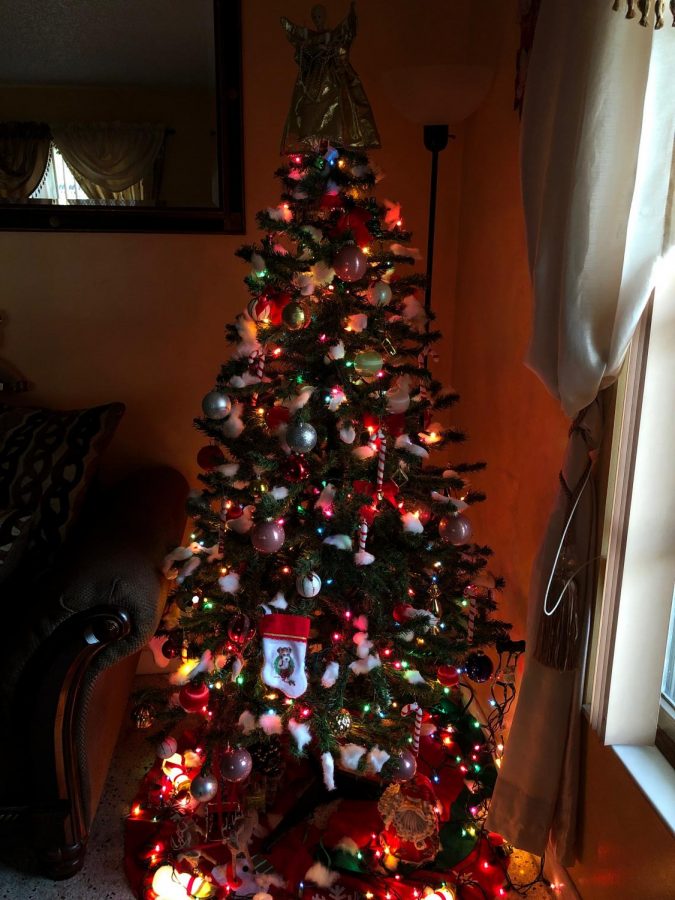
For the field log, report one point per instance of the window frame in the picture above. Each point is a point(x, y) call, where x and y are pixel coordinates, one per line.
point(635, 590)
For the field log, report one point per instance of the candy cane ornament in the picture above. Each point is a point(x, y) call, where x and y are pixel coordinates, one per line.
point(417, 728)
point(423, 364)
point(472, 621)
point(381, 457)
point(257, 357)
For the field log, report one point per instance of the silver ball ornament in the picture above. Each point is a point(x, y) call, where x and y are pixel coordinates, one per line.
point(216, 405)
point(403, 766)
point(236, 765)
point(204, 787)
point(267, 536)
point(308, 585)
point(379, 293)
point(301, 437)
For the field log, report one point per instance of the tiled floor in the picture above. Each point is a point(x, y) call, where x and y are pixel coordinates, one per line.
point(102, 877)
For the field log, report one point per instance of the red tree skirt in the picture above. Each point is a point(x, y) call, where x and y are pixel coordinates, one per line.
point(152, 839)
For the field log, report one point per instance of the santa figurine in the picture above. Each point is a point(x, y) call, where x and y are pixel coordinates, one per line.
point(410, 813)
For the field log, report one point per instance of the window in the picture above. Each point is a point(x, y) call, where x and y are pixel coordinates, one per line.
point(632, 683)
point(58, 183)
point(665, 732)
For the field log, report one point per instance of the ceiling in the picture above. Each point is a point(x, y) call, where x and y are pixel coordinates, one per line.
point(145, 42)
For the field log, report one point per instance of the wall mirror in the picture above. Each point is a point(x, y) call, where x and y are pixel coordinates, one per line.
point(121, 115)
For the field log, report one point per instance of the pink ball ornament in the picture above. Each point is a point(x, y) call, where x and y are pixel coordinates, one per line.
point(166, 747)
point(236, 765)
point(268, 536)
point(455, 529)
point(350, 263)
point(403, 766)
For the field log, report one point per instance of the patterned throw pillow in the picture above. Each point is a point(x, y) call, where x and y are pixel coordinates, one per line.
point(14, 533)
point(47, 461)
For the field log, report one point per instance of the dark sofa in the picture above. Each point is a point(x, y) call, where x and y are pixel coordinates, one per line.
point(70, 645)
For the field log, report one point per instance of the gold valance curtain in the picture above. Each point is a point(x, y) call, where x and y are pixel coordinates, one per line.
point(24, 151)
point(647, 11)
point(111, 160)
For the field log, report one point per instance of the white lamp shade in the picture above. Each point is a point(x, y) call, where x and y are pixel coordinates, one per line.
point(437, 94)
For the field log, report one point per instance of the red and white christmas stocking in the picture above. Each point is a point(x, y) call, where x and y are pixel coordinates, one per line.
point(284, 640)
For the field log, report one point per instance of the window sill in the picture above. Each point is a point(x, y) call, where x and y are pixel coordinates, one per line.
point(655, 778)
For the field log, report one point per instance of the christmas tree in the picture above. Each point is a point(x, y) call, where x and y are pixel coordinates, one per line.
point(331, 611)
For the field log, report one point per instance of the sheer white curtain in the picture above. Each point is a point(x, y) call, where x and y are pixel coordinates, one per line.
point(597, 153)
point(111, 160)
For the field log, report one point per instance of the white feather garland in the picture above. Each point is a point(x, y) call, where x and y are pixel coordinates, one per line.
point(300, 733)
point(328, 767)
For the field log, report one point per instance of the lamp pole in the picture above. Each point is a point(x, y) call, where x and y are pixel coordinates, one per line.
point(435, 139)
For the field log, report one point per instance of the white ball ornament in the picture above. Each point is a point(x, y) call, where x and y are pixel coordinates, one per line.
point(379, 293)
point(166, 747)
point(308, 585)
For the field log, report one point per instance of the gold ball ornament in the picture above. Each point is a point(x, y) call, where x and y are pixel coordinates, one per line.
point(368, 363)
point(341, 722)
point(296, 315)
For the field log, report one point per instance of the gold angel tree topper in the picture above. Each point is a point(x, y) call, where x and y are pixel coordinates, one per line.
point(329, 102)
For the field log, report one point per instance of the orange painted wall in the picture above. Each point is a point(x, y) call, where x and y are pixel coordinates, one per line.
point(511, 421)
point(140, 318)
point(626, 850)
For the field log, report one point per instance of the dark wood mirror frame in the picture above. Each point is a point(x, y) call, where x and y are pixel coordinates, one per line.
point(226, 218)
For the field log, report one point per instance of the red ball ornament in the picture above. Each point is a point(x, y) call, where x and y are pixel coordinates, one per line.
point(269, 306)
point(401, 612)
point(210, 456)
point(172, 646)
point(295, 468)
point(193, 697)
point(276, 416)
point(331, 200)
point(239, 629)
point(350, 263)
point(455, 529)
point(448, 676)
point(259, 308)
point(354, 221)
point(235, 511)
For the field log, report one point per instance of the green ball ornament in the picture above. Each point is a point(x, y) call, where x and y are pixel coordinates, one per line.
point(368, 363)
point(296, 315)
point(379, 293)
